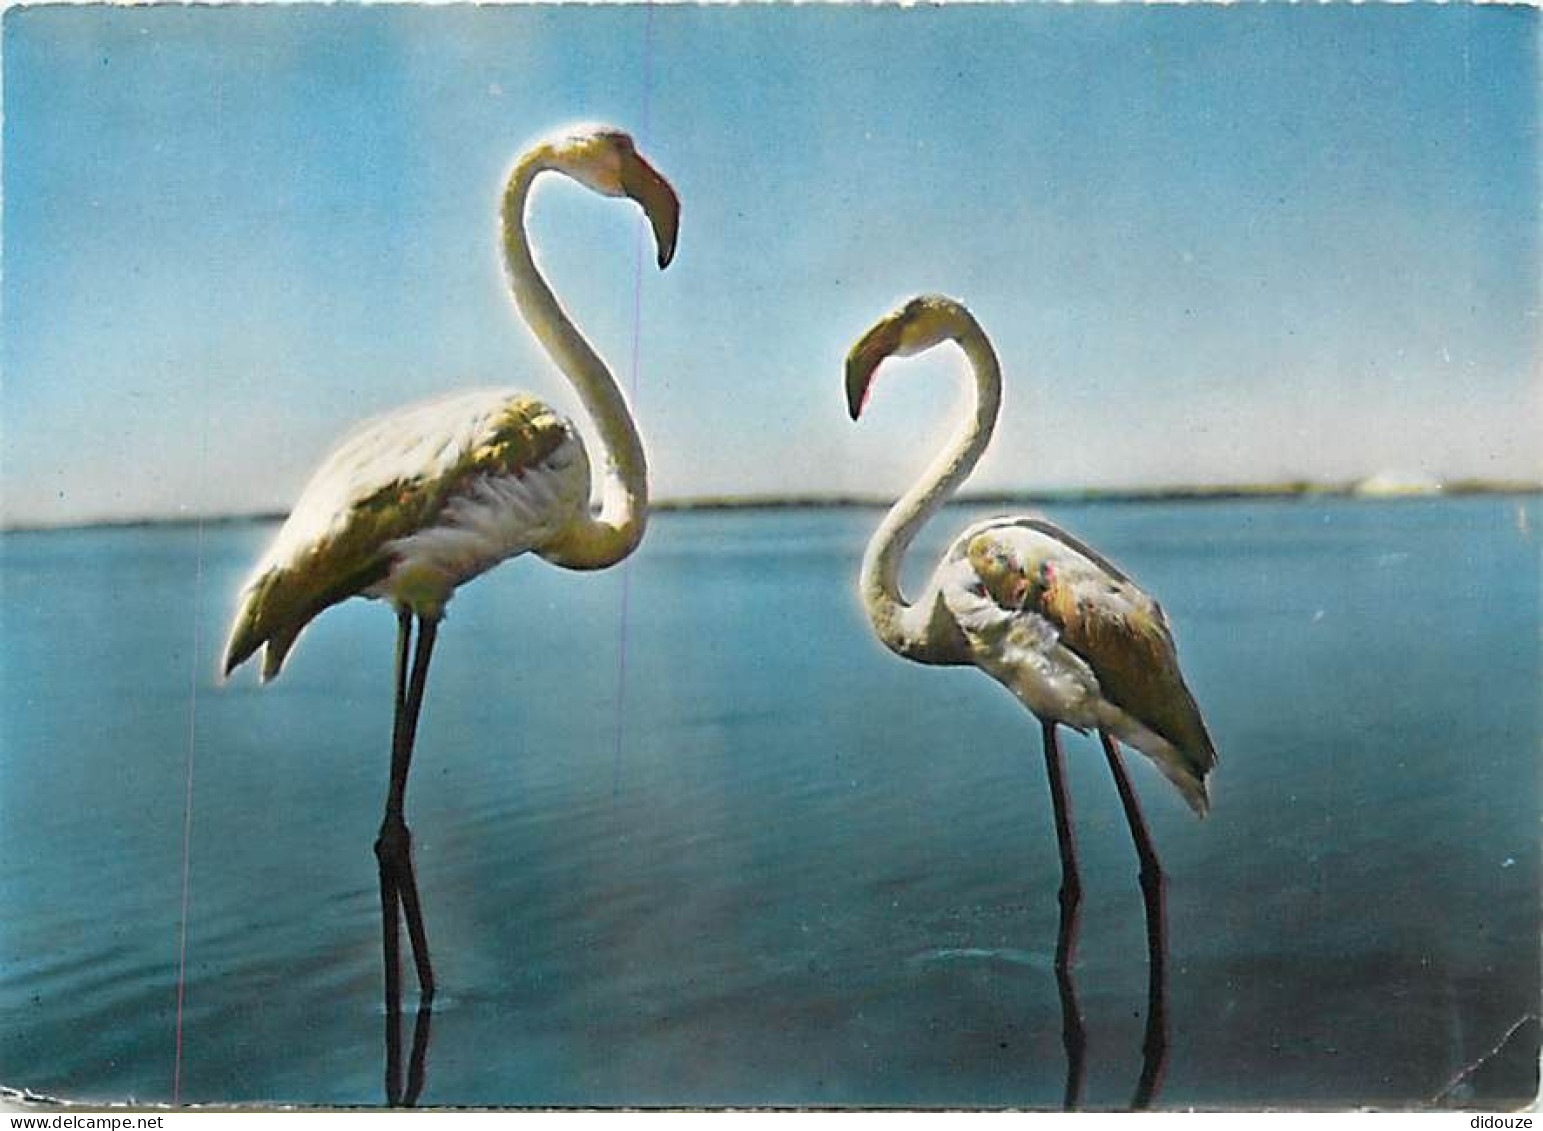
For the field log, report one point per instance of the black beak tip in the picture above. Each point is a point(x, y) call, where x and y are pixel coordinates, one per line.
point(666, 255)
point(857, 389)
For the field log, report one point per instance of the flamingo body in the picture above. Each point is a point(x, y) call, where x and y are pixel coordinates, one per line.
point(411, 505)
point(1077, 641)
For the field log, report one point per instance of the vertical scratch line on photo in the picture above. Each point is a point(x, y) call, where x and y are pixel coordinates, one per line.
point(632, 394)
point(187, 798)
point(187, 803)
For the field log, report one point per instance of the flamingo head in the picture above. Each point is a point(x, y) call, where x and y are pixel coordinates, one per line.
point(914, 326)
point(605, 160)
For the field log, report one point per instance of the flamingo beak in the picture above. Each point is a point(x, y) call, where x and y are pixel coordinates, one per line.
point(864, 359)
point(644, 184)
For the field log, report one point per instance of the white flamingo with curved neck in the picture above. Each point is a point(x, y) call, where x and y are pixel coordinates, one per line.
point(1068, 633)
point(421, 500)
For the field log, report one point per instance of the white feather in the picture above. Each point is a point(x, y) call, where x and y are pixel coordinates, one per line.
point(495, 517)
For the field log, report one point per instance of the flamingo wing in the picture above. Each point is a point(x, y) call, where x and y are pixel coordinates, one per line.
point(1046, 610)
point(392, 477)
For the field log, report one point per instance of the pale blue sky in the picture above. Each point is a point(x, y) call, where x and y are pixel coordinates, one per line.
point(1211, 244)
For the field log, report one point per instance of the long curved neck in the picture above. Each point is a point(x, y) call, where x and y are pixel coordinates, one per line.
point(596, 541)
point(905, 629)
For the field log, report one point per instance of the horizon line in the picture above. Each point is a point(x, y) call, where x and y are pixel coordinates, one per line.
point(1369, 489)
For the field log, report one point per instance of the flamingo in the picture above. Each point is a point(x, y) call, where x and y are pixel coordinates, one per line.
point(1060, 626)
point(416, 502)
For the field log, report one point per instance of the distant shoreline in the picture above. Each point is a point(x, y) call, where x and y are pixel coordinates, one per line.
point(1221, 493)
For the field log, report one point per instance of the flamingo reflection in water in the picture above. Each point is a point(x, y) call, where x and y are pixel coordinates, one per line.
point(419, 501)
point(1060, 626)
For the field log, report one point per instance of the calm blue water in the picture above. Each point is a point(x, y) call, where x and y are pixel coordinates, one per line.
point(775, 864)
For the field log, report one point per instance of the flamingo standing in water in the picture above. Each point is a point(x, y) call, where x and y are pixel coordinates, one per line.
point(1062, 628)
point(416, 502)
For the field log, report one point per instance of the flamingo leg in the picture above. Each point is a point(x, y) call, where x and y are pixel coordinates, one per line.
point(389, 897)
point(1073, 1036)
point(393, 1052)
point(1154, 1047)
point(411, 909)
point(418, 1057)
point(393, 847)
point(389, 894)
point(1070, 894)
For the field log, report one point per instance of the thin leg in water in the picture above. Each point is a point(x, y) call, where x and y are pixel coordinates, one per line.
point(1073, 1036)
point(389, 898)
point(1155, 1046)
point(1071, 884)
point(418, 1059)
point(393, 847)
point(393, 1053)
point(408, 883)
point(390, 929)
